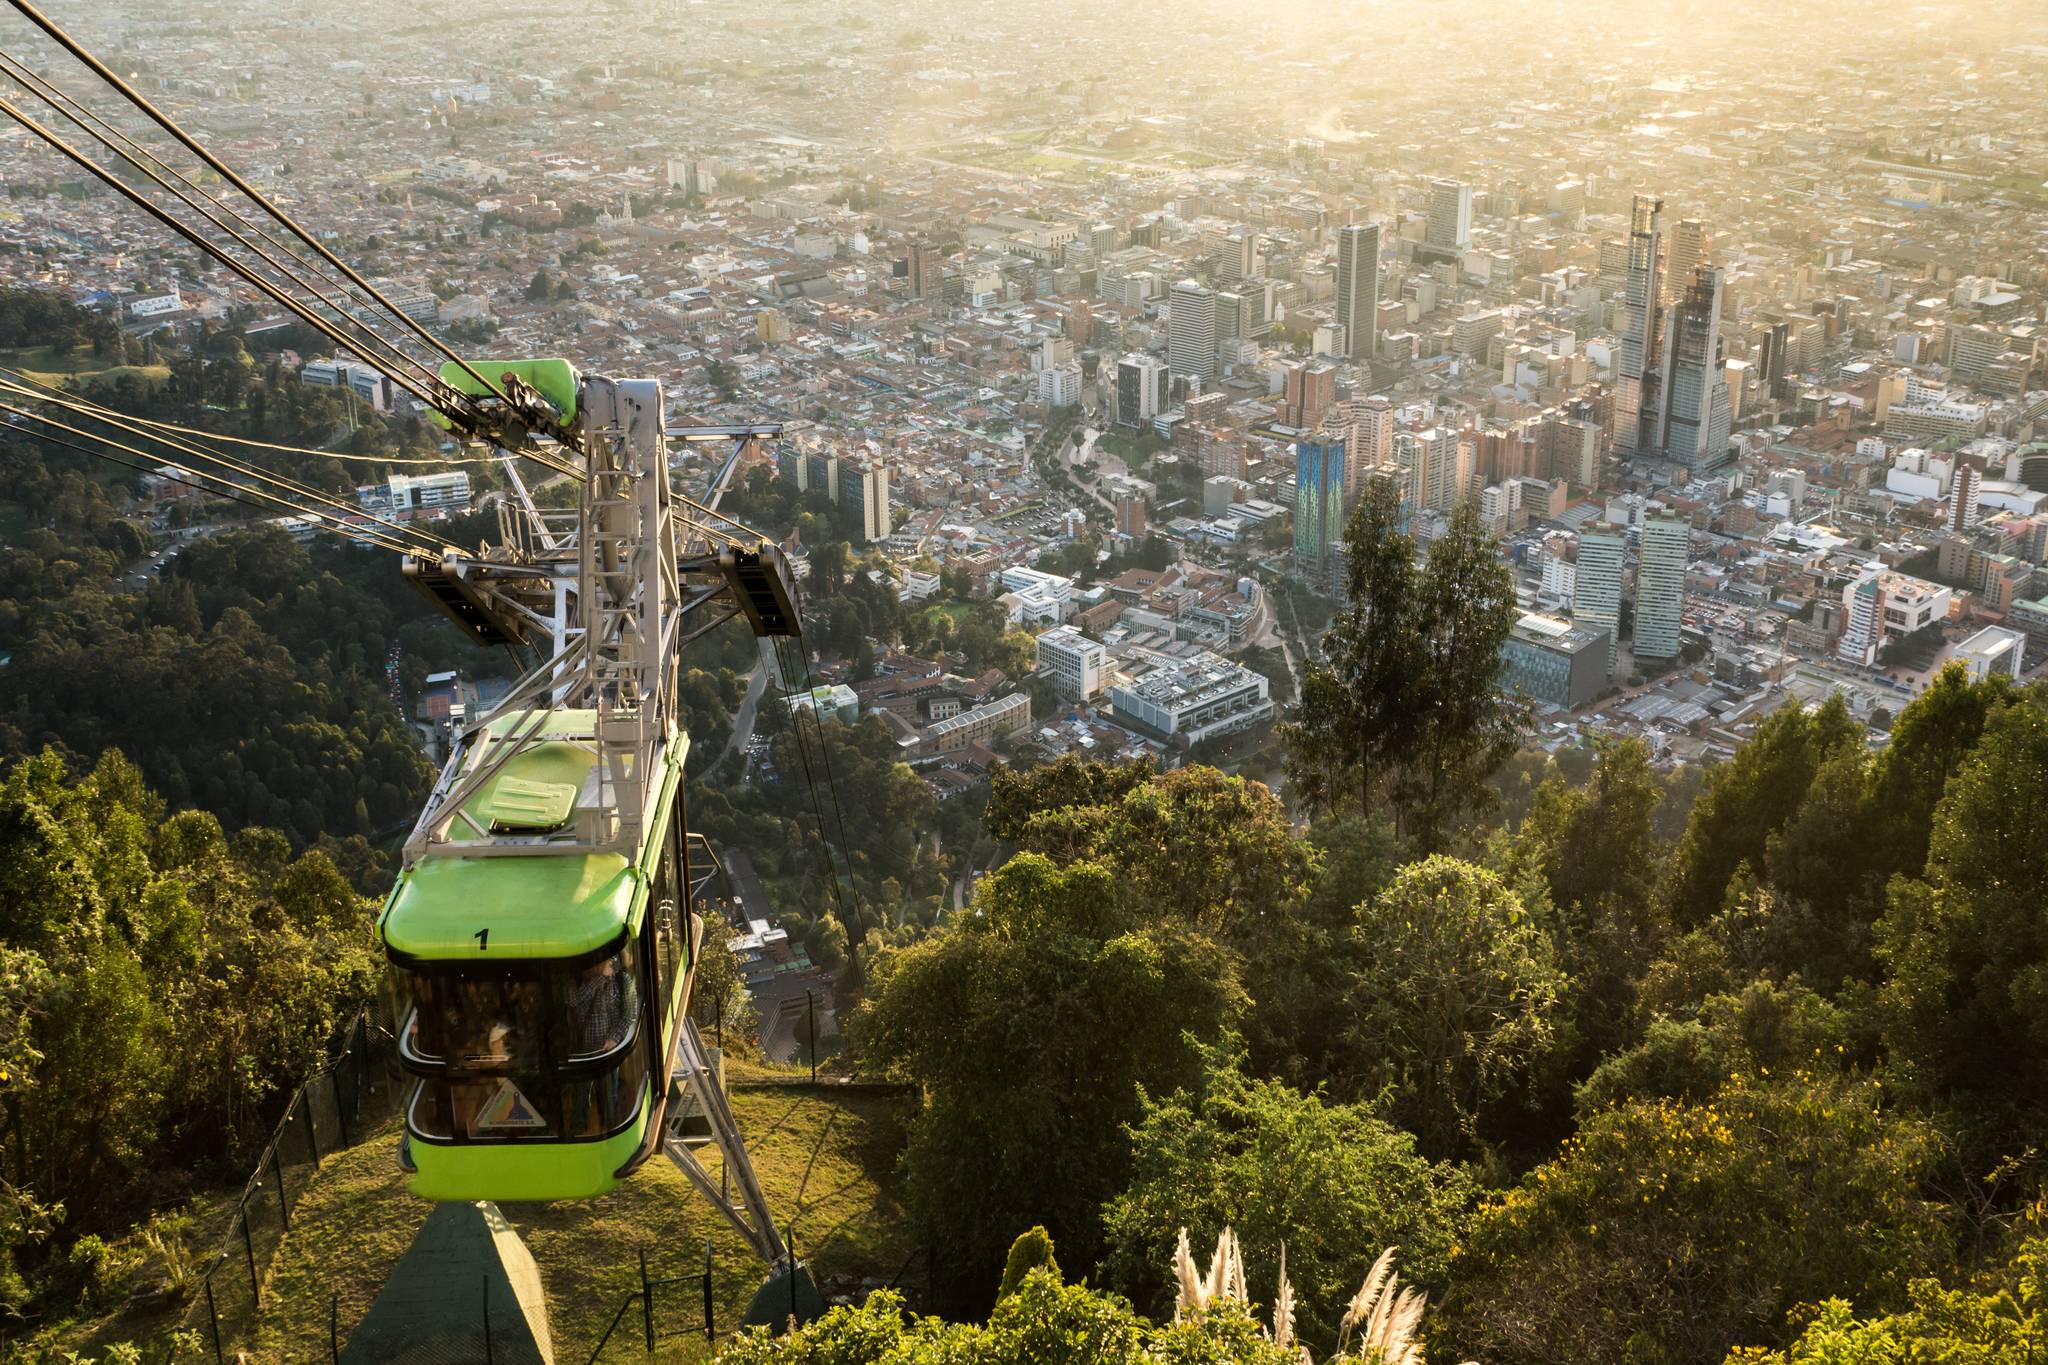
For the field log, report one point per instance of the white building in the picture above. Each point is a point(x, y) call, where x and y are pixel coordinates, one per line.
point(1666, 550)
point(1034, 597)
point(404, 494)
point(1074, 663)
point(1993, 650)
point(1190, 700)
point(1059, 386)
point(1596, 588)
point(1191, 331)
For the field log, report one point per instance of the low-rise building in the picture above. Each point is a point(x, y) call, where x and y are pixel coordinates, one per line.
point(1186, 701)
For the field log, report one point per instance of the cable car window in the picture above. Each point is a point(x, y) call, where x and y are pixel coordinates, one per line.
point(530, 1106)
point(667, 907)
point(497, 1020)
point(600, 1006)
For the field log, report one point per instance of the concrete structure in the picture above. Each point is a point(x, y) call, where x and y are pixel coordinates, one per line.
point(1597, 585)
point(465, 1257)
point(865, 491)
point(980, 725)
point(1191, 331)
point(1141, 390)
point(1993, 651)
point(1665, 551)
point(1074, 663)
point(1450, 216)
point(1358, 287)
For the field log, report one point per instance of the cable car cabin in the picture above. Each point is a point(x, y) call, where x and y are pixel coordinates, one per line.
point(545, 989)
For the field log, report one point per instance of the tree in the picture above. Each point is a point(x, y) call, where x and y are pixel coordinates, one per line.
point(1594, 849)
point(1029, 1027)
point(1999, 1318)
point(1042, 1321)
point(1357, 723)
point(1453, 1000)
point(1674, 1231)
point(1966, 1002)
point(541, 287)
point(1331, 1182)
point(1405, 709)
point(1750, 798)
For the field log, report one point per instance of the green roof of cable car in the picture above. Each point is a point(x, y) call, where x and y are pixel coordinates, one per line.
point(534, 905)
point(557, 381)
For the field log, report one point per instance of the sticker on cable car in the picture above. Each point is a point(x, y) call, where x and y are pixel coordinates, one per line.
point(509, 1109)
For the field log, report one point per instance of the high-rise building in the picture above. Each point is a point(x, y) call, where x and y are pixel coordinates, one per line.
point(822, 474)
point(1130, 516)
point(1450, 216)
point(1236, 255)
point(927, 271)
point(1596, 591)
point(1636, 371)
point(865, 490)
point(1141, 387)
point(1962, 501)
point(1358, 287)
point(1191, 331)
point(1318, 505)
point(1665, 551)
point(1102, 239)
point(1310, 387)
point(1694, 422)
point(1368, 425)
point(1439, 466)
point(1684, 255)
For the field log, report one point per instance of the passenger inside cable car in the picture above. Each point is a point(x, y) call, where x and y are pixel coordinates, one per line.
point(544, 1050)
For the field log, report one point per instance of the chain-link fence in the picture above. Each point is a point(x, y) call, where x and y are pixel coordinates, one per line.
point(333, 1110)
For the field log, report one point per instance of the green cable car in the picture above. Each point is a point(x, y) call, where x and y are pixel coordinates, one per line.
point(545, 987)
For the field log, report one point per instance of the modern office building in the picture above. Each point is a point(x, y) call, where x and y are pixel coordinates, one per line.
point(1684, 255)
point(1358, 287)
point(1993, 651)
point(1597, 584)
point(1636, 368)
point(1665, 550)
point(1450, 216)
point(1693, 424)
point(1074, 663)
point(1318, 504)
point(1191, 331)
point(1554, 662)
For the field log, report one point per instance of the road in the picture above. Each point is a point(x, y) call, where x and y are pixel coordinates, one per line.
point(743, 719)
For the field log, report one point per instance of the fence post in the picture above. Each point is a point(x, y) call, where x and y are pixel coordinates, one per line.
point(646, 1302)
point(213, 1320)
point(811, 1004)
point(488, 1355)
point(341, 1107)
point(249, 1250)
point(312, 1121)
point(284, 1203)
point(791, 1243)
point(708, 1335)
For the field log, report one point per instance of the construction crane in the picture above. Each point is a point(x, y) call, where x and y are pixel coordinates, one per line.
point(545, 925)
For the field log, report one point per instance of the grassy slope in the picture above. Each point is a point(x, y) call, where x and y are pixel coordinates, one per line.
point(45, 367)
point(826, 1160)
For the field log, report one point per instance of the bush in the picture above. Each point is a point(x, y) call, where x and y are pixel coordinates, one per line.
point(1674, 1231)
